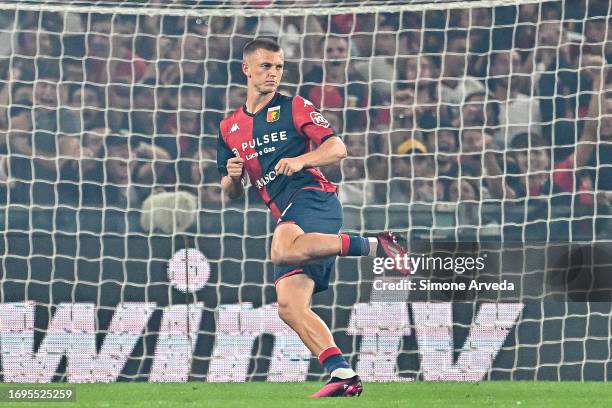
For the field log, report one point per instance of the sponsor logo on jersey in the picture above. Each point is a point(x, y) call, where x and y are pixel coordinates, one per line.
point(273, 114)
point(307, 103)
point(234, 128)
point(318, 119)
point(264, 140)
point(268, 177)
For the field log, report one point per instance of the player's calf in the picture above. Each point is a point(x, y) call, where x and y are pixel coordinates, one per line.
point(291, 314)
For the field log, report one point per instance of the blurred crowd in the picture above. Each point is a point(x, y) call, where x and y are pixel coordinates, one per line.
point(509, 104)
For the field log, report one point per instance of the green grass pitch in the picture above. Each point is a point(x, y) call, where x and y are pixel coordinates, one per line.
point(293, 395)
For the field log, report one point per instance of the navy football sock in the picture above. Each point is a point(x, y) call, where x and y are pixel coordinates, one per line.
point(354, 245)
point(331, 358)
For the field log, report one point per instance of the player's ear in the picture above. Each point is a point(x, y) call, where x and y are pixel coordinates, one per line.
point(245, 69)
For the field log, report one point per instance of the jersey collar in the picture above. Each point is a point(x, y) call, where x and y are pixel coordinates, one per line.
point(272, 101)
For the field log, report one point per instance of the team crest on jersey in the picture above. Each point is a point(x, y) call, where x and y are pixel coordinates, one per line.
point(318, 119)
point(273, 114)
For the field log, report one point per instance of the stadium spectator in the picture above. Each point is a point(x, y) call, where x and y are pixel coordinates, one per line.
point(472, 148)
point(235, 98)
point(379, 66)
point(462, 189)
point(557, 78)
point(35, 46)
point(189, 127)
point(7, 47)
point(122, 179)
point(444, 142)
point(477, 112)
point(355, 144)
point(72, 70)
point(517, 113)
point(336, 121)
point(89, 100)
point(110, 54)
point(14, 92)
point(377, 166)
point(150, 141)
point(529, 171)
point(412, 174)
point(192, 57)
point(299, 38)
point(38, 154)
point(23, 94)
point(601, 159)
point(455, 84)
point(420, 74)
point(355, 189)
point(403, 123)
point(119, 106)
point(416, 68)
point(481, 28)
point(338, 86)
point(197, 176)
point(220, 34)
point(168, 55)
point(597, 31)
point(218, 73)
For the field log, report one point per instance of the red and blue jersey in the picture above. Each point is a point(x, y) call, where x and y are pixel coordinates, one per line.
point(286, 127)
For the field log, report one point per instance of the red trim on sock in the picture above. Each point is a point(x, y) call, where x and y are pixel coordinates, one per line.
point(290, 273)
point(346, 241)
point(329, 352)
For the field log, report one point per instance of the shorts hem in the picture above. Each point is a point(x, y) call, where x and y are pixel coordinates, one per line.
point(290, 273)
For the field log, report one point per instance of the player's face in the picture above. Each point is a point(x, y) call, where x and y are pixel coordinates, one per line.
point(264, 70)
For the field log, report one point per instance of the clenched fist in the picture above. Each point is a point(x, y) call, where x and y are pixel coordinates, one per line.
point(235, 168)
point(289, 166)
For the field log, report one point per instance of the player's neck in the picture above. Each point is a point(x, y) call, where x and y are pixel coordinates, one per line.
point(256, 101)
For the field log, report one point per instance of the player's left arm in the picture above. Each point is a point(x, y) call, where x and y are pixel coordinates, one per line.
point(309, 122)
point(331, 151)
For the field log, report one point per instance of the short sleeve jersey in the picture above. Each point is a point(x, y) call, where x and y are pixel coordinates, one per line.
point(286, 127)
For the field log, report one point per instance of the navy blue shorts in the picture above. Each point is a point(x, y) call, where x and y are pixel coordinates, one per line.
point(312, 211)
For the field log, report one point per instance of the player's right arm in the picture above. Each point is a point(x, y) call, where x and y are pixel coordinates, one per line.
point(232, 182)
point(231, 168)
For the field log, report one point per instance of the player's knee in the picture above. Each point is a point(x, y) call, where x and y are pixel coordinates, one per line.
point(290, 313)
point(277, 256)
point(285, 255)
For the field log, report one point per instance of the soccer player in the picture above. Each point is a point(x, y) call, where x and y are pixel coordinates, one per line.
point(270, 138)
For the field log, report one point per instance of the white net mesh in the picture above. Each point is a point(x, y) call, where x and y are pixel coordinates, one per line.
point(464, 121)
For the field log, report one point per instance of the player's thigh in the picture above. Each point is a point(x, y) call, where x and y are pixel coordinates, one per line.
point(294, 292)
point(314, 211)
point(284, 235)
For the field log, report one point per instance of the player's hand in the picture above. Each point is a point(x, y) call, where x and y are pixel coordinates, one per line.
point(235, 167)
point(289, 166)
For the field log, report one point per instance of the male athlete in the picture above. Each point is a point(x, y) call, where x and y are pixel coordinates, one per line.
point(270, 137)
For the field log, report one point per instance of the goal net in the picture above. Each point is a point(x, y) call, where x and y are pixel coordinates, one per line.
point(479, 129)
